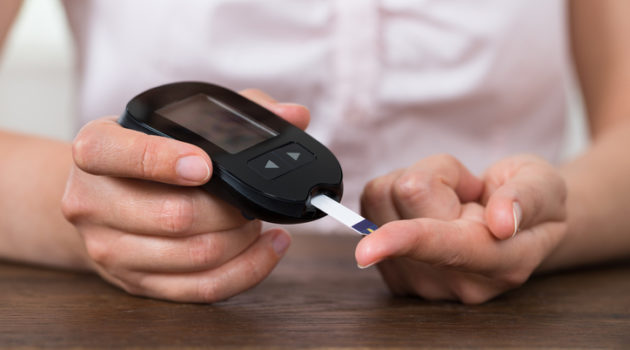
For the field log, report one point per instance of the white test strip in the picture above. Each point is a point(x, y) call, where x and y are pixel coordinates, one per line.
point(344, 215)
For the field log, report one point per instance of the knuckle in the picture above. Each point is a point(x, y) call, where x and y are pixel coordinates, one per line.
point(443, 163)
point(471, 293)
point(255, 271)
point(203, 251)
point(177, 214)
point(84, 148)
point(149, 157)
point(516, 278)
point(97, 251)
point(415, 186)
point(72, 207)
point(447, 159)
point(376, 192)
point(475, 297)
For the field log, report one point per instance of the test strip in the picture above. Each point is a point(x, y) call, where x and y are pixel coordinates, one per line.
point(344, 215)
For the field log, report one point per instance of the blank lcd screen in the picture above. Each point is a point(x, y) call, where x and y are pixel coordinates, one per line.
point(216, 122)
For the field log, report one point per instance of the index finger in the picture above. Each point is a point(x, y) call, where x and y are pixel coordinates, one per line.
point(461, 245)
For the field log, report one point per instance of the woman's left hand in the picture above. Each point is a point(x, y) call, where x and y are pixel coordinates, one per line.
point(448, 235)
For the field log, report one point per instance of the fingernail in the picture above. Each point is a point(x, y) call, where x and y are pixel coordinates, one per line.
point(280, 243)
point(518, 216)
point(192, 168)
point(363, 267)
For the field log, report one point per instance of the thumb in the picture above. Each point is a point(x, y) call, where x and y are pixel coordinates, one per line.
point(534, 192)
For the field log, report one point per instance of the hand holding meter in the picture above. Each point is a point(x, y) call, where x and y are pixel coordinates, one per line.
point(263, 165)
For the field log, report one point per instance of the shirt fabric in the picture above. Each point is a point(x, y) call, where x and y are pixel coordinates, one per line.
point(387, 82)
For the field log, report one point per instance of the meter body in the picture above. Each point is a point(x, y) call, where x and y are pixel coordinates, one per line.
point(262, 164)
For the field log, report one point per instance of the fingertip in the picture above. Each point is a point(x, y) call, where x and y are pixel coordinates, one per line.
point(503, 217)
point(396, 238)
point(363, 253)
point(373, 248)
point(295, 114)
point(280, 241)
point(193, 168)
point(258, 96)
point(190, 164)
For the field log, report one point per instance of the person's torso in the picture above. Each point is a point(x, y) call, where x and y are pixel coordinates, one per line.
point(387, 82)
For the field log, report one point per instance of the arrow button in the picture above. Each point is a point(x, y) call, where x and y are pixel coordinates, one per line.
point(294, 155)
point(281, 161)
point(271, 165)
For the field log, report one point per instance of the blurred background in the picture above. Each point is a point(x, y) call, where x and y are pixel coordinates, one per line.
point(37, 73)
point(37, 78)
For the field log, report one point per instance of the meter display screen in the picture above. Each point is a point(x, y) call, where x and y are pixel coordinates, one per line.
point(217, 122)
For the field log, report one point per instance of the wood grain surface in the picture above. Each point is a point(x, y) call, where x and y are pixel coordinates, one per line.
point(316, 298)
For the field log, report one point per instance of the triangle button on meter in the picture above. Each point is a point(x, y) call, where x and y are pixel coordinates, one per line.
point(294, 155)
point(281, 160)
point(271, 165)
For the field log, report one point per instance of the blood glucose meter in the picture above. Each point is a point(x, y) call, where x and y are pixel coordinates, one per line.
point(262, 164)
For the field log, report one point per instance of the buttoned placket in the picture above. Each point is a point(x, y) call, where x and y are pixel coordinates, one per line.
point(355, 58)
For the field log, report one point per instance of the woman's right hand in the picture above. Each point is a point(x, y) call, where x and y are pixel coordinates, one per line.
point(149, 230)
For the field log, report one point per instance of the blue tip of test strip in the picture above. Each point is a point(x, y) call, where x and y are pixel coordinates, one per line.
point(365, 227)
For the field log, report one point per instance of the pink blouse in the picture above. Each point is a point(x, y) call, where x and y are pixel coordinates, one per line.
point(388, 82)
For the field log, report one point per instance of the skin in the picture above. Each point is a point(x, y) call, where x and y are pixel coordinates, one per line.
point(151, 238)
point(122, 204)
point(448, 235)
point(8, 12)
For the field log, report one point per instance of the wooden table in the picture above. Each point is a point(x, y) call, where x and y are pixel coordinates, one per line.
point(316, 298)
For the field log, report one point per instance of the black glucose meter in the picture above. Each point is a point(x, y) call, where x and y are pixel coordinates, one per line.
point(262, 164)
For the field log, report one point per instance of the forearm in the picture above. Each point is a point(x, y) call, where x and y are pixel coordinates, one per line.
point(597, 203)
point(599, 181)
point(8, 12)
point(32, 181)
